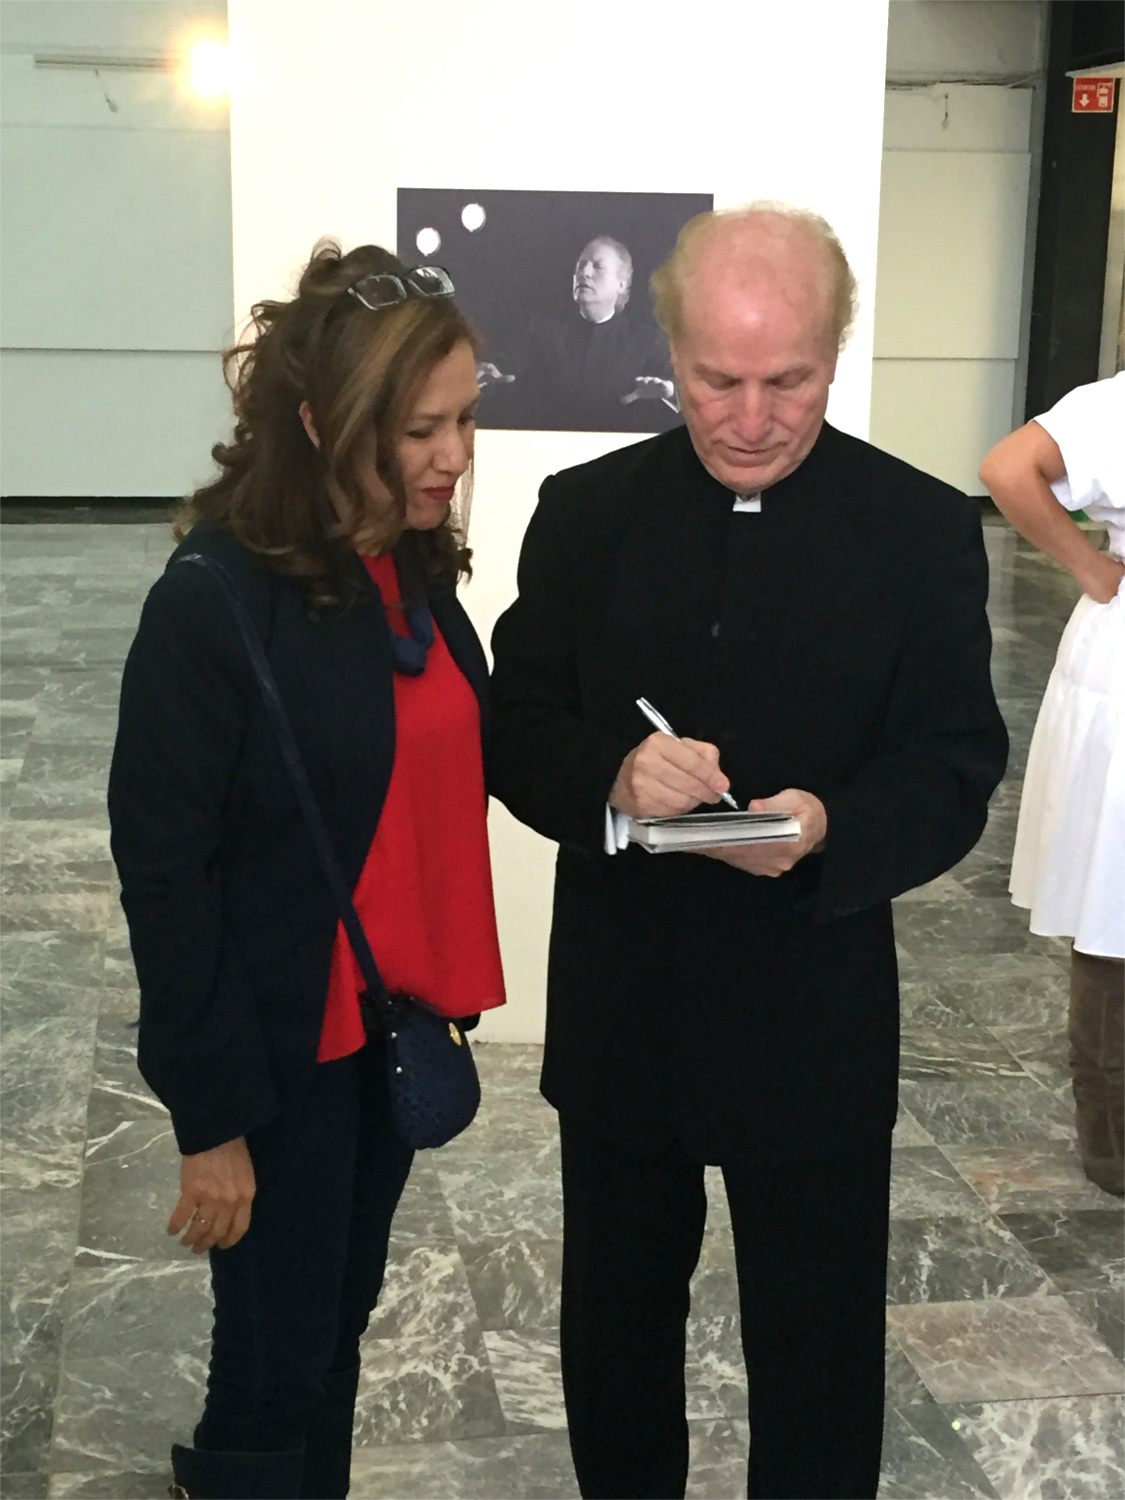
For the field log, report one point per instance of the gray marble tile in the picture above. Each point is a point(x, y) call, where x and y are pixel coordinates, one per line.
point(984, 875)
point(45, 1074)
point(1004, 1350)
point(425, 1295)
point(124, 1412)
point(908, 1132)
point(422, 1216)
point(1080, 1251)
point(1102, 1309)
point(464, 1470)
point(988, 925)
point(525, 1367)
point(925, 1185)
point(716, 1367)
point(26, 1486)
point(56, 857)
point(27, 1394)
point(1010, 990)
point(509, 1070)
point(115, 1309)
point(1053, 1449)
point(57, 910)
point(717, 1452)
point(544, 1467)
point(516, 1121)
point(1027, 1178)
point(426, 1390)
point(110, 1484)
point(515, 1283)
point(944, 888)
point(902, 1384)
point(130, 1185)
point(993, 1112)
point(714, 1286)
point(29, 645)
point(953, 1260)
point(66, 958)
point(926, 1002)
point(28, 1001)
point(38, 1232)
point(923, 1456)
point(1043, 1054)
point(964, 1051)
point(503, 1194)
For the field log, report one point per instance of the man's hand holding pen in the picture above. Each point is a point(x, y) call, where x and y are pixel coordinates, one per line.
point(665, 776)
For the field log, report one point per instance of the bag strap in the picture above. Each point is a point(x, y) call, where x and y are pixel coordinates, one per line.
point(295, 766)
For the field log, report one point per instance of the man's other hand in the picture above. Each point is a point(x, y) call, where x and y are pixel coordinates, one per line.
point(664, 776)
point(775, 859)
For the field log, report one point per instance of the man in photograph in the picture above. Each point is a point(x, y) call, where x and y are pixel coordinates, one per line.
point(809, 614)
point(601, 369)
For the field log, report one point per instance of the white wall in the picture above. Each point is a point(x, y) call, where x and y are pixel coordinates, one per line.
point(954, 274)
point(116, 273)
point(759, 99)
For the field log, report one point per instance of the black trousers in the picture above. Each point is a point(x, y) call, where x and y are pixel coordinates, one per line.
point(811, 1251)
point(294, 1296)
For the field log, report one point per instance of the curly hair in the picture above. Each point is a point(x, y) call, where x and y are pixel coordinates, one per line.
point(295, 504)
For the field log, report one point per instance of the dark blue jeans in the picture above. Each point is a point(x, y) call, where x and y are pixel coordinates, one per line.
point(294, 1296)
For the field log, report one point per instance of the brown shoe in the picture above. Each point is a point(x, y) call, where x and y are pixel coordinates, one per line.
point(1097, 1066)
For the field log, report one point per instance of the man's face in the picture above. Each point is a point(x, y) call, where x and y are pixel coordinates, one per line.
point(753, 363)
point(599, 280)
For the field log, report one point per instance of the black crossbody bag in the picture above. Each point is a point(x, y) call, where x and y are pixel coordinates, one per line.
point(431, 1075)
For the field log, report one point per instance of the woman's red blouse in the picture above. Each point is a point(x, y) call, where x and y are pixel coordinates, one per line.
point(425, 893)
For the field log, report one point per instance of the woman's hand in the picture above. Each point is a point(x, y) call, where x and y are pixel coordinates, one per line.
point(664, 776)
point(1102, 578)
point(216, 1190)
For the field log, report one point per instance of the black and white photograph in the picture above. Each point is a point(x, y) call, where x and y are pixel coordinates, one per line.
point(556, 284)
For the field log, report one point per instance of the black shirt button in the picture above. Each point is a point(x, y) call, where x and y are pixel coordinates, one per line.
point(715, 629)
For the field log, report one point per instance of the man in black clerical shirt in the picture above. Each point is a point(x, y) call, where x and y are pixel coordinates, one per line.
point(809, 613)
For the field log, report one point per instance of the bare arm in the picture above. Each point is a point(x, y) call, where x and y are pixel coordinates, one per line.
point(1018, 473)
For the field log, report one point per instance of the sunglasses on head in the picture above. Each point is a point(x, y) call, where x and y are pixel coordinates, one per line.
point(382, 289)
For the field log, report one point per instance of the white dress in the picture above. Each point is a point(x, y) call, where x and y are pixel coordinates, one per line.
point(1068, 867)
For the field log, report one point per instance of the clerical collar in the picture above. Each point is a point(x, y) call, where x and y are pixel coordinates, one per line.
point(747, 502)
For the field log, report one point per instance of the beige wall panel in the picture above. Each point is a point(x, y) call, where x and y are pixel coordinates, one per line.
point(942, 415)
point(109, 423)
point(957, 117)
point(965, 38)
point(116, 239)
point(951, 240)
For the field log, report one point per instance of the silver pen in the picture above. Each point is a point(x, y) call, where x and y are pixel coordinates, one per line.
point(658, 721)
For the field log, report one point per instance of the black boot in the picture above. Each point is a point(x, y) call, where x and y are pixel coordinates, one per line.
point(328, 1439)
point(204, 1475)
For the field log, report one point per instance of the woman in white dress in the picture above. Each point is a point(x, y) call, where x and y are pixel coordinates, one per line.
point(1068, 867)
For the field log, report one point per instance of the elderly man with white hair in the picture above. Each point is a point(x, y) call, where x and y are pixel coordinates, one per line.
point(809, 613)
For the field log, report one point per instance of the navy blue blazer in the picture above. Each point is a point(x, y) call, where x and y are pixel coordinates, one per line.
point(230, 919)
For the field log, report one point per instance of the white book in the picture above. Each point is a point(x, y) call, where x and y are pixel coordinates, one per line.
point(712, 830)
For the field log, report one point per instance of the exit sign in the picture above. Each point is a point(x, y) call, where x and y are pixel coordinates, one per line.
point(1093, 96)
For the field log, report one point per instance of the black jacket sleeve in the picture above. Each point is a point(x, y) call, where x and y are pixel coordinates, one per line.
point(536, 702)
point(185, 700)
point(921, 802)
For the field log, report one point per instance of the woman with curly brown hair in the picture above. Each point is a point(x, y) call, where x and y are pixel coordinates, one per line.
point(332, 519)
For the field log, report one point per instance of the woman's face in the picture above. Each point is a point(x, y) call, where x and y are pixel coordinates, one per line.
point(436, 444)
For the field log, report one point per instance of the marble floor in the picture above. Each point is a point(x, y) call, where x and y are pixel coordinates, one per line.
point(1004, 1286)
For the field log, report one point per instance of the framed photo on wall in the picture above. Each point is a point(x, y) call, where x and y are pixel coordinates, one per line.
point(556, 285)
